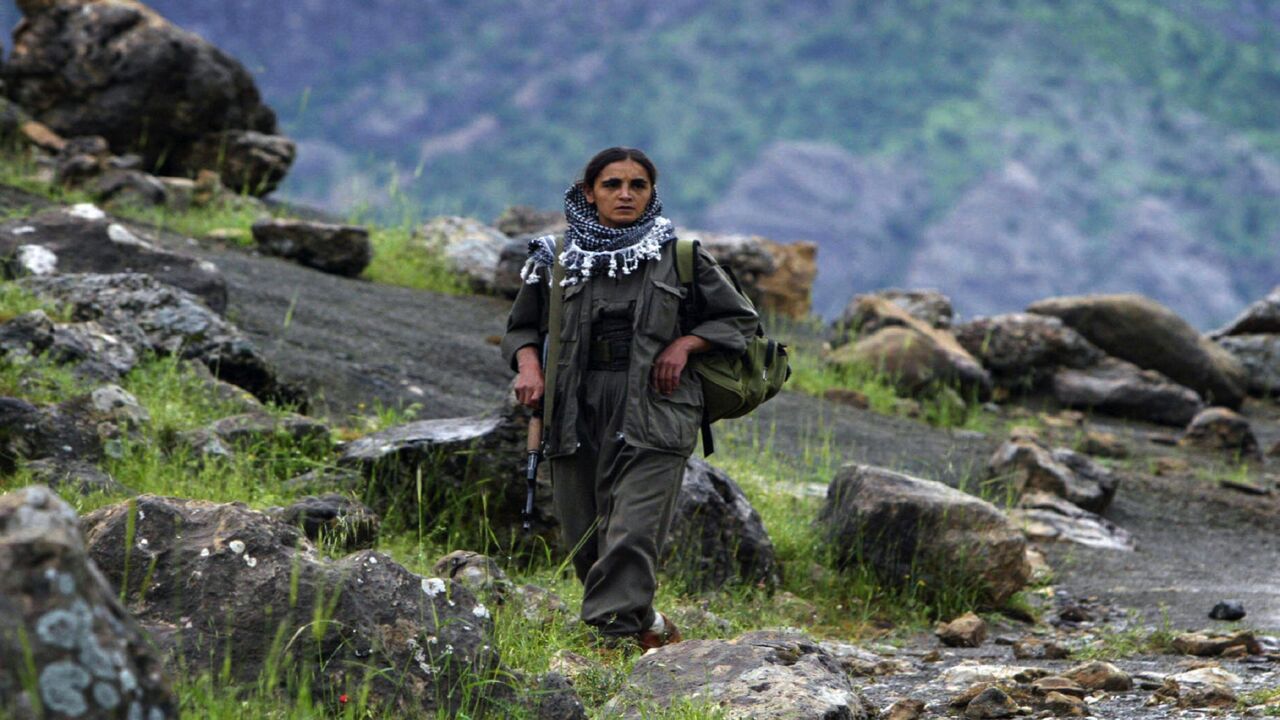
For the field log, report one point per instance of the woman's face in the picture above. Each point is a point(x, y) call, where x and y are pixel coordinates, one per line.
point(620, 193)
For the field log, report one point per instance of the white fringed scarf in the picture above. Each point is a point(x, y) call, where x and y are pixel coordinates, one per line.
point(591, 248)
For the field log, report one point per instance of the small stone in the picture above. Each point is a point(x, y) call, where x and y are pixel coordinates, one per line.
point(968, 630)
point(1075, 613)
point(1166, 466)
point(1057, 684)
point(1063, 705)
point(1103, 444)
point(1202, 645)
point(1221, 429)
point(1228, 610)
point(1100, 676)
point(905, 709)
point(991, 703)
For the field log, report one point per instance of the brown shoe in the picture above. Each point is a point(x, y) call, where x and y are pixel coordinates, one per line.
point(650, 639)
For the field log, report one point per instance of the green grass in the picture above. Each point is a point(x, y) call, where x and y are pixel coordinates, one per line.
point(1135, 639)
point(400, 259)
point(940, 406)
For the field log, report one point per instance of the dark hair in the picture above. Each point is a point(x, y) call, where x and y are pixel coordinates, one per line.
point(612, 155)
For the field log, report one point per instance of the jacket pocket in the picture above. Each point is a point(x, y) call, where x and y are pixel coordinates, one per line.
point(570, 312)
point(672, 421)
point(662, 316)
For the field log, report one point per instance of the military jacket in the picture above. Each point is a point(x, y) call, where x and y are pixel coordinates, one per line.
point(659, 422)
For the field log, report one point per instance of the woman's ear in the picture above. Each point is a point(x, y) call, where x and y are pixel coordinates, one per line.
point(588, 193)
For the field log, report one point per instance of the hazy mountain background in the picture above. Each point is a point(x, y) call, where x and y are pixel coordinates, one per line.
point(1000, 150)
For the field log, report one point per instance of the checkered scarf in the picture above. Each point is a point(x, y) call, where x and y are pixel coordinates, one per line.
point(590, 247)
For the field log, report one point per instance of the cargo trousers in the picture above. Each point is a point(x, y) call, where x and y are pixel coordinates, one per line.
point(614, 502)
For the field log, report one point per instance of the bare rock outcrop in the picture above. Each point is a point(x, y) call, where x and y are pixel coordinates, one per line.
point(1023, 351)
point(1117, 387)
point(338, 249)
point(83, 239)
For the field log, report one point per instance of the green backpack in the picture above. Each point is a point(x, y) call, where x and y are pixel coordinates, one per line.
point(732, 384)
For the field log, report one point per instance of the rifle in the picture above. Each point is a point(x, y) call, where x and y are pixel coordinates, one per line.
point(533, 449)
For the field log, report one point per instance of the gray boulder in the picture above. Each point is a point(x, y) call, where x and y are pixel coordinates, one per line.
point(1116, 387)
point(82, 239)
point(1221, 430)
point(1030, 466)
point(335, 519)
point(1262, 317)
point(224, 581)
point(747, 255)
point(93, 353)
point(241, 432)
point(928, 306)
point(337, 249)
point(247, 161)
point(520, 220)
point(74, 476)
point(1045, 517)
point(480, 458)
point(86, 655)
point(716, 536)
point(152, 316)
point(1022, 351)
point(908, 529)
point(764, 675)
point(469, 247)
point(511, 259)
point(119, 70)
point(28, 432)
point(1153, 337)
point(1260, 356)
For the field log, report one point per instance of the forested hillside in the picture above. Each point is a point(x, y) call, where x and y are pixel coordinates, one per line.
point(1140, 138)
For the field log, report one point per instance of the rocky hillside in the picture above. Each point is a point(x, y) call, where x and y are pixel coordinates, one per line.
point(1142, 135)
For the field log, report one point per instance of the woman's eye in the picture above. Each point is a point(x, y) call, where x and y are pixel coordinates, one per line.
point(612, 184)
point(639, 184)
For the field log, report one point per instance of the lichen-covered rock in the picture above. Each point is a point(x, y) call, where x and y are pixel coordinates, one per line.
point(82, 239)
point(747, 255)
point(86, 656)
point(1023, 351)
point(1116, 387)
point(224, 581)
point(337, 249)
point(152, 316)
point(1153, 337)
point(479, 573)
point(115, 68)
point(1222, 430)
point(908, 530)
point(1030, 466)
point(765, 675)
point(716, 536)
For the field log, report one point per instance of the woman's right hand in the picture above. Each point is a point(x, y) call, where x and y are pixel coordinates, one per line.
point(529, 383)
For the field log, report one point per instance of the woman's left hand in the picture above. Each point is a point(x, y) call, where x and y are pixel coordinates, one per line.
point(671, 361)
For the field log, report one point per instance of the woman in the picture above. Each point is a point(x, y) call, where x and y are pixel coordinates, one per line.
point(626, 407)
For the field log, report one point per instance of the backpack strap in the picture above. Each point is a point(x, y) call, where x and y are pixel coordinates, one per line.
point(555, 316)
point(686, 268)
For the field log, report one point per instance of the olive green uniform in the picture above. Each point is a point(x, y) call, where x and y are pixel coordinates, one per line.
point(618, 447)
